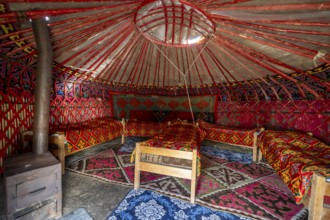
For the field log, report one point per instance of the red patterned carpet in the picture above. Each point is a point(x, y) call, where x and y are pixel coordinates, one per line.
point(251, 190)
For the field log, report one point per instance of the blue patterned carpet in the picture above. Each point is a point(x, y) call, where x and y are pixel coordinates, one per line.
point(130, 143)
point(207, 149)
point(231, 156)
point(228, 182)
point(149, 205)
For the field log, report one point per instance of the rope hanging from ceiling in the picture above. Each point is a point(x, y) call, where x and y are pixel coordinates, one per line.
point(184, 74)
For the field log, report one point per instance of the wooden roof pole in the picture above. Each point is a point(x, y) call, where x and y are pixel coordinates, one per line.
point(43, 86)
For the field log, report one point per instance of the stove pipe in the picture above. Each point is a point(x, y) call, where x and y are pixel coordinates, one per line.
point(43, 86)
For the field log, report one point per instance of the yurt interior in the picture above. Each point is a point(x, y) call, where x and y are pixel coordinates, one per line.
point(164, 109)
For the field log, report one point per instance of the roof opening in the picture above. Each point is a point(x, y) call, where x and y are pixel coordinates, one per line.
point(173, 23)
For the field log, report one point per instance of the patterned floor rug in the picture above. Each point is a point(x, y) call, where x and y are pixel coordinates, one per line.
point(145, 205)
point(248, 189)
point(129, 144)
point(209, 150)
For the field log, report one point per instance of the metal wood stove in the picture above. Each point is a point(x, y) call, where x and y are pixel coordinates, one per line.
point(32, 181)
point(32, 186)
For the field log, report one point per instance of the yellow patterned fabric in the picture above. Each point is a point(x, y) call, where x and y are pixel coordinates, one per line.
point(89, 133)
point(179, 136)
point(235, 136)
point(295, 157)
point(143, 129)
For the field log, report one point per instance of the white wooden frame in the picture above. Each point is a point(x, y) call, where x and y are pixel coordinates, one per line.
point(186, 173)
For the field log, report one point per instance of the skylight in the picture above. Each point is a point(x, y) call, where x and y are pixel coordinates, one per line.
point(173, 23)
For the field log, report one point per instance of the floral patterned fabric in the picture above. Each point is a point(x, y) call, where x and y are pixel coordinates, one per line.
point(143, 129)
point(86, 134)
point(146, 204)
point(235, 136)
point(295, 157)
point(179, 136)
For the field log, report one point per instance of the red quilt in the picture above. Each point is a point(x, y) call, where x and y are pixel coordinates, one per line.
point(86, 134)
point(235, 136)
point(143, 129)
point(295, 157)
point(184, 137)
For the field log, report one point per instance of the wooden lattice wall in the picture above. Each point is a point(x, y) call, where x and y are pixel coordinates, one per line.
point(17, 116)
point(68, 110)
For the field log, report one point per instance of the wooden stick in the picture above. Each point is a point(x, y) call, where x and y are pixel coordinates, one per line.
point(137, 166)
point(193, 177)
point(165, 170)
point(259, 155)
point(167, 152)
point(259, 151)
point(255, 149)
point(315, 206)
point(123, 134)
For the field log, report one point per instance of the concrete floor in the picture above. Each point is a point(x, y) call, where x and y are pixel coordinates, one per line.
point(98, 197)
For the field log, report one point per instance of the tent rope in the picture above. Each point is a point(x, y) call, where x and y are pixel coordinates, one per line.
point(184, 74)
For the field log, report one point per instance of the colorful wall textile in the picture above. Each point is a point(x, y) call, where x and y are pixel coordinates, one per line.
point(123, 104)
point(143, 129)
point(69, 110)
point(88, 89)
point(75, 99)
point(16, 112)
point(23, 56)
point(16, 116)
point(164, 116)
point(305, 115)
point(276, 88)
